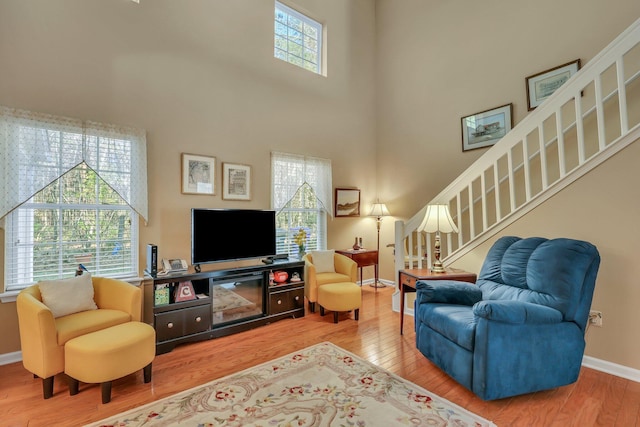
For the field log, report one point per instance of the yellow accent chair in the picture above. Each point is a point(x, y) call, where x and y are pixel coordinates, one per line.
point(319, 272)
point(43, 335)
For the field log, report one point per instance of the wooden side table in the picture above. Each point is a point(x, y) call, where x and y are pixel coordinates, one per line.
point(407, 282)
point(364, 258)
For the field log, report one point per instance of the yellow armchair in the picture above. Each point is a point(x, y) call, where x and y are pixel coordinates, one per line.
point(42, 337)
point(346, 270)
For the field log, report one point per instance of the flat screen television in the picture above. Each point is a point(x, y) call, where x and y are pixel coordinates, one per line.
point(231, 234)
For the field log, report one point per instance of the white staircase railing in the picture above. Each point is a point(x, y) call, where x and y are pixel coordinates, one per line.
point(595, 114)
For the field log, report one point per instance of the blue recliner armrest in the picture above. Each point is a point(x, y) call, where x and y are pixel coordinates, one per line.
point(448, 292)
point(516, 312)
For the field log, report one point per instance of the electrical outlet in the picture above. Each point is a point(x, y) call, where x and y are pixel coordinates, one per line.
point(595, 318)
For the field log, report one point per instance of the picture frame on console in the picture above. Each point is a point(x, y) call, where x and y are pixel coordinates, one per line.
point(236, 181)
point(347, 202)
point(185, 292)
point(198, 174)
point(487, 127)
point(541, 85)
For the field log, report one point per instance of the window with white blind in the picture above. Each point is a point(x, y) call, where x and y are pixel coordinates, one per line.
point(76, 192)
point(302, 198)
point(297, 39)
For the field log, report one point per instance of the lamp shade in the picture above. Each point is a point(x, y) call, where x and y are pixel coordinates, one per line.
point(438, 218)
point(379, 209)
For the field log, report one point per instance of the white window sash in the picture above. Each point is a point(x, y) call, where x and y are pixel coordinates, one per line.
point(20, 263)
point(287, 245)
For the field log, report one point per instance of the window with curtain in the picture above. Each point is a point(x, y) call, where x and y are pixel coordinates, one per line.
point(302, 197)
point(72, 193)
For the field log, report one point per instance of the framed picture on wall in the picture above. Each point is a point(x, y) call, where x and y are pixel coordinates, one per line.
point(486, 127)
point(198, 174)
point(347, 202)
point(540, 86)
point(236, 181)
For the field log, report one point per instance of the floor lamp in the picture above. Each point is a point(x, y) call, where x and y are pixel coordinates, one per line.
point(378, 210)
point(438, 219)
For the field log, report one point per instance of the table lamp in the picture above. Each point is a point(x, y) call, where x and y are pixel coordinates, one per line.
point(379, 210)
point(438, 219)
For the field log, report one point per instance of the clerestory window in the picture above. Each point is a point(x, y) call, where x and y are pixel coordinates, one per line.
point(297, 39)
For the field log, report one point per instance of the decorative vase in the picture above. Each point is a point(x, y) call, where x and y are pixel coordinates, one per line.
point(355, 245)
point(301, 251)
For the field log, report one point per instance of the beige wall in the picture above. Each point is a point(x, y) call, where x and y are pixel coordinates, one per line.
point(200, 77)
point(439, 61)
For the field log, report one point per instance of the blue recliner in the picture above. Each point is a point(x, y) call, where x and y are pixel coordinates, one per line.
point(521, 328)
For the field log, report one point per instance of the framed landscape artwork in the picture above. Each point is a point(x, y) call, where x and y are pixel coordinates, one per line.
point(487, 127)
point(236, 182)
point(540, 86)
point(347, 202)
point(198, 174)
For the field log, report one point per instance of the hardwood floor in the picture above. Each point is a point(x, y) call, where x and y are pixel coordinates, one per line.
point(597, 399)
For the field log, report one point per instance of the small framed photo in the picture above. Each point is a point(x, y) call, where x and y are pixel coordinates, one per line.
point(487, 127)
point(236, 181)
point(347, 202)
point(198, 174)
point(540, 86)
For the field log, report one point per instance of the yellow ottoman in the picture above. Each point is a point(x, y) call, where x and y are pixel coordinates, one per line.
point(109, 354)
point(344, 296)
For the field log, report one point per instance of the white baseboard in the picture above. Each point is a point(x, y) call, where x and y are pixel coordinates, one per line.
point(587, 361)
point(370, 282)
point(611, 368)
point(8, 358)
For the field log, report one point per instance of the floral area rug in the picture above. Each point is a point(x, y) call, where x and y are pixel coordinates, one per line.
point(322, 385)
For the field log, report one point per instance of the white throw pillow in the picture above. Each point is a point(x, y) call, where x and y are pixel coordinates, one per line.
point(68, 296)
point(323, 260)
